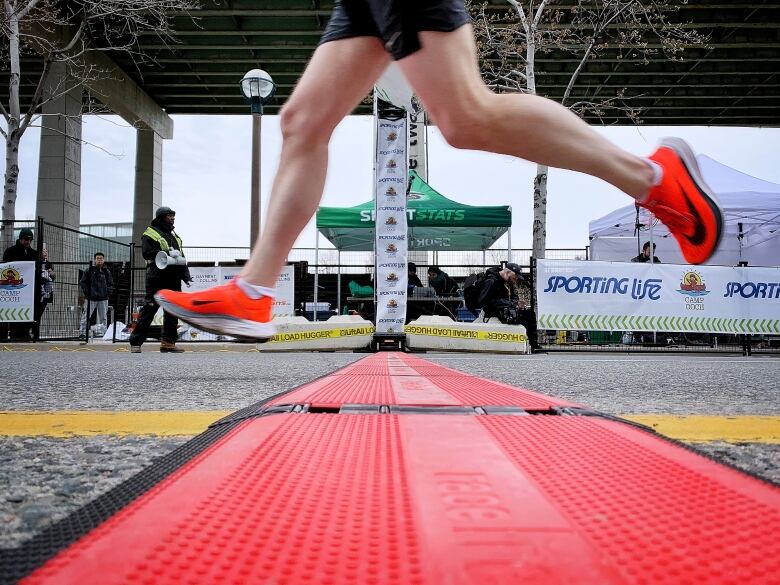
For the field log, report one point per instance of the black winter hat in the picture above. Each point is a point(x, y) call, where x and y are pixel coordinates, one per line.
point(163, 211)
point(25, 233)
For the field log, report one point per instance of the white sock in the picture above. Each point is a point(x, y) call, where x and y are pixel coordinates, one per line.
point(658, 171)
point(658, 175)
point(254, 291)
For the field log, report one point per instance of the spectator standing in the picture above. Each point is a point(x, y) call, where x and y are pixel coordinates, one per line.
point(22, 251)
point(160, 236)
point(413, 279)
point(48, 276)
point(96, 284)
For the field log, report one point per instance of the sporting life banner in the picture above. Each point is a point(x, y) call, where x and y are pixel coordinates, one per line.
point(390, 178)
point(17, 292)
point(619, 296)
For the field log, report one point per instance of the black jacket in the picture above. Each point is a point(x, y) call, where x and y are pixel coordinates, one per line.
point(495, 292)
point(96, 283)
point(443, 284)
point(19, 253)
point(642, 258)
point(150, 248)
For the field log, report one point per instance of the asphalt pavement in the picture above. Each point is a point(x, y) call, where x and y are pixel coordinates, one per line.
point(43, 478)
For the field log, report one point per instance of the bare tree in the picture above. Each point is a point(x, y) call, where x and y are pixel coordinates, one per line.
point(509, 40)
point(66, 33)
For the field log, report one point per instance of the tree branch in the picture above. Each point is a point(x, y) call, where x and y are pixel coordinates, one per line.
point(24, 11)
point(73, 41)
point(576, 74)
point(37, 96)
point(521, 14)
point(539, 12)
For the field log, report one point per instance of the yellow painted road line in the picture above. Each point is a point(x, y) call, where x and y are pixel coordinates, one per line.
point(689, 428)
point(88, 423)
point(704, 429)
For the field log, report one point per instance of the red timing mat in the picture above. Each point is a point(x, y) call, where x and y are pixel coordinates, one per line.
point(421, 497)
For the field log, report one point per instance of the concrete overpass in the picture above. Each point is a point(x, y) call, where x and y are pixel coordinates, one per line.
point(734, 80)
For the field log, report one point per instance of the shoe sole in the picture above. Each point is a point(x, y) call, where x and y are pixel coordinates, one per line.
point(220, 324)
point(681, 148)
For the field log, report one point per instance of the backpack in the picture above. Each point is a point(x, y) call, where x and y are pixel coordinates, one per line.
point(472, 286)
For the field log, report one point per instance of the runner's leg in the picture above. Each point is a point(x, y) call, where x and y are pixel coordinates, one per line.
point(445, 75)
point(338, 76)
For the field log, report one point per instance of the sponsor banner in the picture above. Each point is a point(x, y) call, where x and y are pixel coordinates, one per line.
point(284, 303)
point(203, 278)
point(206, 277)
point(418, 147)
point(465, 333)
point(17, 291)
point(619, 296)
point(390, 214)
point(228, 273)
point(300, 336)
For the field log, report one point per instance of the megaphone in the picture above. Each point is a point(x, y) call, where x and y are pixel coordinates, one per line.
point(163, 259)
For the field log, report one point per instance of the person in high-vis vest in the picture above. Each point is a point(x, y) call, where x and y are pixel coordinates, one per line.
point(160, 236)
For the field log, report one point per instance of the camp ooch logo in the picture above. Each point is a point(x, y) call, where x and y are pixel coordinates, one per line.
point(693, 285)
point(10, 278)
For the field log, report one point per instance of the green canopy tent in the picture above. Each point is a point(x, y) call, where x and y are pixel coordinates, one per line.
point(434, 223)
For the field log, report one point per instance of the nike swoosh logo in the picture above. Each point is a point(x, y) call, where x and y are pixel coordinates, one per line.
point(197, 302)
point(699, 233)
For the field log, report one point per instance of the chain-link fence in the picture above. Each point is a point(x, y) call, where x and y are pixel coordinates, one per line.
point(63, 309)
point(327, 276)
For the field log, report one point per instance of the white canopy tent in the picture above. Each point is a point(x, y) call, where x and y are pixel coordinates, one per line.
point(751, 207)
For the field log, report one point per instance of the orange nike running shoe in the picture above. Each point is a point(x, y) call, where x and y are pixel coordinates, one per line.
point(223, 310)
point(684, 202)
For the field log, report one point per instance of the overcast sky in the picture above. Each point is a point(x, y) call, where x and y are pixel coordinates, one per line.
point(206, 170)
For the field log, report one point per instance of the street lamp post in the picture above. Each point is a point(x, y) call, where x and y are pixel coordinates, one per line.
point(258, 88)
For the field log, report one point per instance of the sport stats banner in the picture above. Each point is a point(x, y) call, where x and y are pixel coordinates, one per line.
point(390, 196)
point(618, 296)
point(17, 291)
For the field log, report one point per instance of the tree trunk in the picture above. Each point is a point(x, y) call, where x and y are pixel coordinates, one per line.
point(12, 140)
point(540, 212)
point(9, 193)
point(539, 231)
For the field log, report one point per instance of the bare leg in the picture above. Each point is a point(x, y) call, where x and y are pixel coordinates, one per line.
point(338, 76)
point(445, 75)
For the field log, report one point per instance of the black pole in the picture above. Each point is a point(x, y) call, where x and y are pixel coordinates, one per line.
point(88, 281)
point(37, 301)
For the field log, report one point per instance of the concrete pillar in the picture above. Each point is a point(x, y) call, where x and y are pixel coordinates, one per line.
point(59, 167)
point(148, 180)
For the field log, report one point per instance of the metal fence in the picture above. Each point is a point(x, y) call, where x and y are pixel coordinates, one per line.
point(324, 276)
point(66, 255)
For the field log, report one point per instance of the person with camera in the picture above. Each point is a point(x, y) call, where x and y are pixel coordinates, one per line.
point(161, 237)
point(499, 295)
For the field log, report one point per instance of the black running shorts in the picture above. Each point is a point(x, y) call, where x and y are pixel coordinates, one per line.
point(395, 22)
